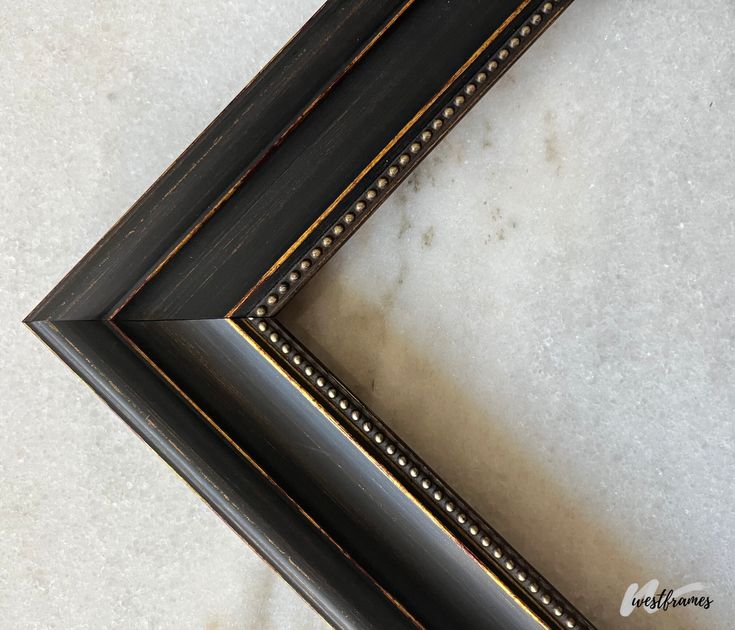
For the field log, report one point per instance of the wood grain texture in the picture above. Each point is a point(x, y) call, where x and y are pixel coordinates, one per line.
point(149, 319)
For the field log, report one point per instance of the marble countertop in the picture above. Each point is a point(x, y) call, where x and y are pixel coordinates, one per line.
point(545, 310)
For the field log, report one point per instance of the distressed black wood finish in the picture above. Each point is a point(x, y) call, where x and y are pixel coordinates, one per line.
point(236, 487)
point(170, 318)
point(219, 161)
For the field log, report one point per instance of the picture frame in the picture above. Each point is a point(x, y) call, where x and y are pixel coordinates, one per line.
point(172, 318)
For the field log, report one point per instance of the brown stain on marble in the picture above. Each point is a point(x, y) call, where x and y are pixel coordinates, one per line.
point(500, 226)
point(487, 140)
point(404, 224)
point(552, 151)
point(427, 238)
point(424, 175)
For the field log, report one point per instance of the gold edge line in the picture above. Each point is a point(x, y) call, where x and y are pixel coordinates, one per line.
point(259, 159)
point(394, 480)
point(379, 156)
point(142, 354)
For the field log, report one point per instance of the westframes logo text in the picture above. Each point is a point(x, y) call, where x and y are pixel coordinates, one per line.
point(650, 599)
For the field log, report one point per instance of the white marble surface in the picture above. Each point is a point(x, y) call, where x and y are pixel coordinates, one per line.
point(568, 368)
point(96, 531)
point(546, 312)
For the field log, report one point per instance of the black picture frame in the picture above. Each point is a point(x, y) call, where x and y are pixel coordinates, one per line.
point(172, 318)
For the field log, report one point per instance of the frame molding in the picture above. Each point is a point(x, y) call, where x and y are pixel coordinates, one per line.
point(171, 318)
